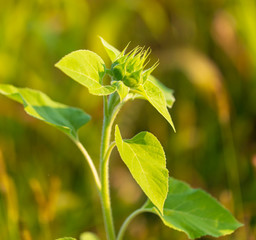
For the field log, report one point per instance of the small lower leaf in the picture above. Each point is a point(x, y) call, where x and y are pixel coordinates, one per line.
point(37, 104)
point(194, 212)
point(145, 158)
point(88, 236)
point(66, 238)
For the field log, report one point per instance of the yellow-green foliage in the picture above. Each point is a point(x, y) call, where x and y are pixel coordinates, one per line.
point(207, 54)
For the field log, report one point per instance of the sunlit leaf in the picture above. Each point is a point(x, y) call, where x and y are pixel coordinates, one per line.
point(145, 158)
point(156, 97)
point(88, 236)
point(112, 52)
point(88, 69)
point(194, 212)
point(168, 93)
point(37, 104)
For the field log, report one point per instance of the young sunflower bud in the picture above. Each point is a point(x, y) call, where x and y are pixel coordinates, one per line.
point(133, 80)
point(129, 67)
point(118, 72)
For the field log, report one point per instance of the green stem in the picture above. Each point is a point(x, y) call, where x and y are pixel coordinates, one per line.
point(105, 193)
point(91, 164)
point(127, 222)
point(109, 150)
point(108, 120)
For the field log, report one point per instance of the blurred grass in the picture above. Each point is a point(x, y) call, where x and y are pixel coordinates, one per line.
point(207, 55)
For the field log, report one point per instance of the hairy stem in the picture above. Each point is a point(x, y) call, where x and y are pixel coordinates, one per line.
point(104, 170)
point(108, 120)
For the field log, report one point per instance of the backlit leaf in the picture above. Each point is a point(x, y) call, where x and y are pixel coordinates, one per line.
point(194, 212)
point(156, 97)
point(66, 238)
point(168, 93)
point(37, 104)
point(145, 158)
point(112, 52)
point(88, 236)
point(88, 69)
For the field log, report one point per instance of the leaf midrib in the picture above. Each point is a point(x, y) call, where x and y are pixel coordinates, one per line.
point(189, 214)
point(83, 75)
point(135, 155)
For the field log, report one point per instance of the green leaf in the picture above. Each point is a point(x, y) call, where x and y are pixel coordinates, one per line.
point(88, 69)
point(112, 52)
point(66, 238)
point(145, 158)
point(156, 97)
point(88, 236)
point(37, 104)
point(121, 89)
point(168, 93)
point(194, 212)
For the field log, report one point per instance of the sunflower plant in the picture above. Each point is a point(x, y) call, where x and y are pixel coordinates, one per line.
point(180, 207)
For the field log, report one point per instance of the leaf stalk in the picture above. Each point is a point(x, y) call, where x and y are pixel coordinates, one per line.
point(127, 222)
point(90, 162)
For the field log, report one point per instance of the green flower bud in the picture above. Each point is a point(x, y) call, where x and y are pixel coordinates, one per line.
point(118, 72)
point(133, 80)
point(129, 67)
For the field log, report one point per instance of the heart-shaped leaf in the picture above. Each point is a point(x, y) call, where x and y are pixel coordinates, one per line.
point(88, 69)
point(66, 238)
point(37, 104)
point(145, 158)
point(194, 212)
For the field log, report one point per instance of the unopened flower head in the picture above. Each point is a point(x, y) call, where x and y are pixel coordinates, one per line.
point(129, 67)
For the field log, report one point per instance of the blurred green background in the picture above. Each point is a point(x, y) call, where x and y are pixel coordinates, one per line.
point(207, 53)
